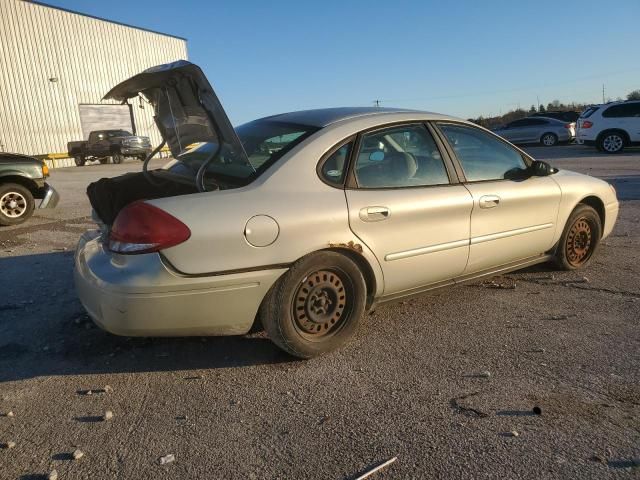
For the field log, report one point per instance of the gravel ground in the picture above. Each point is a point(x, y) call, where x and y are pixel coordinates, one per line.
point(412, 384)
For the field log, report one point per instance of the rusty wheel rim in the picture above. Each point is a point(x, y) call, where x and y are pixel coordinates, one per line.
point(322, 304)
point(579, 242)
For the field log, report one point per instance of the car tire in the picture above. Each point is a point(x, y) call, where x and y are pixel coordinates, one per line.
point(80, 161)
point(16, 204)
point(315, 307)
point(549, 139)
point(117, 158)
point(612, 142)
point(104, 161)
point(580, 238)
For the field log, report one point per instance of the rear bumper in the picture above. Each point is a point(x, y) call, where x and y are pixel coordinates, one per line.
point(138, 295)
point(50, 197)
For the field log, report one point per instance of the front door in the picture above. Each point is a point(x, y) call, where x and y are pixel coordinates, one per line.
point(514, 214)
point(405, 209)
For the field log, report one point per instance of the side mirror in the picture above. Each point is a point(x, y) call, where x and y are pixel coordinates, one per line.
point(540, 169)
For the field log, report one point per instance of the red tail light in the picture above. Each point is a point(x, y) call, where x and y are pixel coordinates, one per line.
point(143, 228)
point(567, 125)
point(587, 124)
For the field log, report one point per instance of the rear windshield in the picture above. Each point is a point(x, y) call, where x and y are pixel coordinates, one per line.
point(588, 112)
point(264, 142)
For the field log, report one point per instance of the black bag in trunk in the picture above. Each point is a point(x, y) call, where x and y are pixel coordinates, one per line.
point(110, 195)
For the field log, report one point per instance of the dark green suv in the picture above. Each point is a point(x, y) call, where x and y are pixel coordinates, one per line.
point(22, 181)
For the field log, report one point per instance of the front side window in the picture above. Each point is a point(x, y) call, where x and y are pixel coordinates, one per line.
point(404, 156)
point(483, 156)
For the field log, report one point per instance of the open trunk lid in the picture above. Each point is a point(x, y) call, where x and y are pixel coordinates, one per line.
point(187, 112)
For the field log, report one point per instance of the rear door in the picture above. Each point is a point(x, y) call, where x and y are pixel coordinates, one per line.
point(405, 204)
point(514, 214)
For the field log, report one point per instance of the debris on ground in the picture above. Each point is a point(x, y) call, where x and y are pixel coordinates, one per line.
point(77, 454)
point(8, 414)
point(373, 470)
point(509, 285)
point(167, 459)
point(53, 475)
point(108, 415)
point(512, 433)
point(537, 410)
point(462, 406)
point(8, 445)
point(598, 458)
point(485, 374)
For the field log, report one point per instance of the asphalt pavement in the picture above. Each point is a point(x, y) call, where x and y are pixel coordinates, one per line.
point(446, 382)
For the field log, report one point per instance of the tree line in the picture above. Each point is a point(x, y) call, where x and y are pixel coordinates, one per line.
point(555, 106)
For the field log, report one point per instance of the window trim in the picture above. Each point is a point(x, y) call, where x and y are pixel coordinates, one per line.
point(525, 157)
point(351, 181)
point(328, 154)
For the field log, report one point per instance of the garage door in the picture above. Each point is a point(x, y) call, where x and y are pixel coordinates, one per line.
point(104, 117)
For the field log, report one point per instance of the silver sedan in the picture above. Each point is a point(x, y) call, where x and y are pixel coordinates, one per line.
point(546, 131)
point(304, 221)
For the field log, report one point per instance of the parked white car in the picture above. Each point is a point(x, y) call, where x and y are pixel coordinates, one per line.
point(305, 220)
point(610, 127)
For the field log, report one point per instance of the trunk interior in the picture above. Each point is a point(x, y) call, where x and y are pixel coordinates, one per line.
point(110, 195)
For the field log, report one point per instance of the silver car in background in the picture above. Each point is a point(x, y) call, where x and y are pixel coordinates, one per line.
point(303, 221)
point(543, 130)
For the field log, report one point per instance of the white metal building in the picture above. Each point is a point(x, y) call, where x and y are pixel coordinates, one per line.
point(55, 67)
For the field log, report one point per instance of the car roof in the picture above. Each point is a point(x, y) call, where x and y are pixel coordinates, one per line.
point(323, 117)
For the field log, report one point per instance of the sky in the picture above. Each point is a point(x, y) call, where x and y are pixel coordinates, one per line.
point(464, 58)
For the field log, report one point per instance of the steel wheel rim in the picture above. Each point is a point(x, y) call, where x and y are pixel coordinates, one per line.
point(548, 140)
point(13, 204)
point(322, 304)
point(612, 143)
point(579, 242)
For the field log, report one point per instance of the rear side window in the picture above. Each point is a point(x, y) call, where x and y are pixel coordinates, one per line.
point(334, 167)
point(405, 156)
point(588, 112)
point(483, 156)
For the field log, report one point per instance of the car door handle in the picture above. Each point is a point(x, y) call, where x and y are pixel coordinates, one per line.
point(374, 214)
point(489, 201)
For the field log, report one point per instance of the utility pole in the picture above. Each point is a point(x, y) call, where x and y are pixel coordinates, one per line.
point(376, 103)
point(538, 105)
point(603, 93)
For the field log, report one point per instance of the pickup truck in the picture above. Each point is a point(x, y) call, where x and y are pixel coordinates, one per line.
point(105, 144)
point(22, 180)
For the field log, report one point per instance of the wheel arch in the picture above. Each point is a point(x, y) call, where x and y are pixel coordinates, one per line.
point(26, 182)
point(614, 130)
point(363, 265)
point(597, 204)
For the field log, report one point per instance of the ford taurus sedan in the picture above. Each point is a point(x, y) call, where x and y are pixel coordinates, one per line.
point(304, 221)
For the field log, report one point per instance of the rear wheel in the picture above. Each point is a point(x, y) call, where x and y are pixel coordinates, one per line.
point(580, 238)
point(315, 307)
point(80, 160)
point(549, 139)
point(117, 158)
point(16, 204)
point(104, 160)
point(612, 142)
